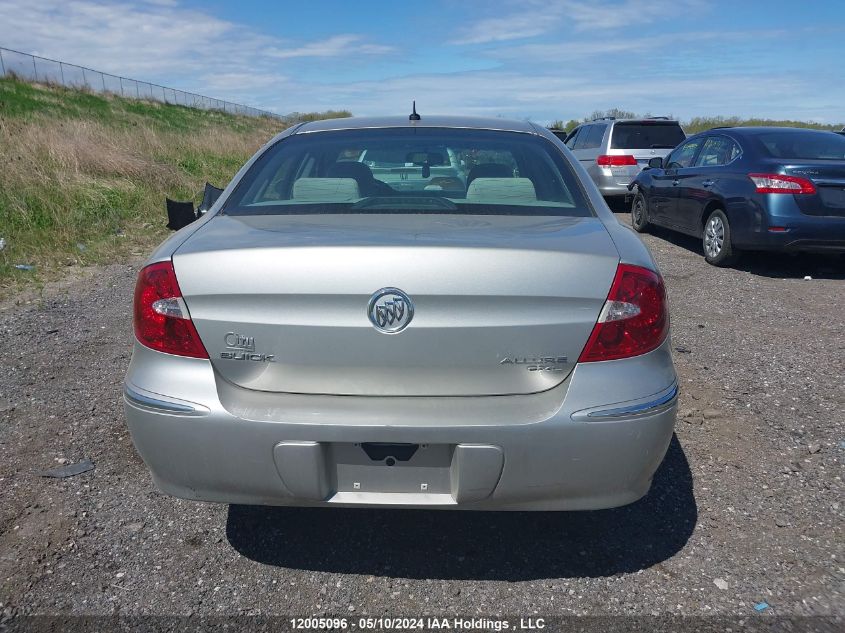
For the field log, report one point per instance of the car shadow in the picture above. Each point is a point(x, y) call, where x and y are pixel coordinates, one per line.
point(778, 265)
point(510, 546)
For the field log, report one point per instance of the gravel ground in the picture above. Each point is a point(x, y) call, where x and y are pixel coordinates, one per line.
point(747, 508)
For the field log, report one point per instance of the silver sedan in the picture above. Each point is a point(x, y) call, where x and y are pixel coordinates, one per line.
point(436, 312)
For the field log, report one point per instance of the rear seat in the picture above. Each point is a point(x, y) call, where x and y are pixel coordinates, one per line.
point(326, 190)
point(502, 190)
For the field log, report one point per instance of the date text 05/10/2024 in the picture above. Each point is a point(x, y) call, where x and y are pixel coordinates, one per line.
point(418, 624)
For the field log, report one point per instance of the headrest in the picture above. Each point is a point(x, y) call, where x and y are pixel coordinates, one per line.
point(326, 190)
point(350, 169)
point(489, 170)
point(502, 190)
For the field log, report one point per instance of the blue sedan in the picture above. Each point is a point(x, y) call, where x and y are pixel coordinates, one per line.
point(751, 188)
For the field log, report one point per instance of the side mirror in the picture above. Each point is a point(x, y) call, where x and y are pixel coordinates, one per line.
point(655, 163)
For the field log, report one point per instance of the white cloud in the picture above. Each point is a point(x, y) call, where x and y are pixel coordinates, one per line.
point(545, 97)
point(529, 18)
point(335, 46)
point(513, 26)
point(161, 41)
point(583, 66)
point(651, 48)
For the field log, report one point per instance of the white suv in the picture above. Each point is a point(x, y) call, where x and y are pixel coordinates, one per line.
point(614, 151)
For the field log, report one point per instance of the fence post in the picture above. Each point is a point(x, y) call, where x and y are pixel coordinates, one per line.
point(103, 77)
point(62, 72)
point(34, 68)
point(2, 65)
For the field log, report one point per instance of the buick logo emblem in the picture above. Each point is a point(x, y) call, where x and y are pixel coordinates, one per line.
point(390, 310)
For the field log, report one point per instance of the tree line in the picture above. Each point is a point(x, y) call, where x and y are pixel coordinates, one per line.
point(696, 124)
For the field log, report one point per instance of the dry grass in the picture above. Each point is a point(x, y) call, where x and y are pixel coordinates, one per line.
point(73, 152)
point(88, 182)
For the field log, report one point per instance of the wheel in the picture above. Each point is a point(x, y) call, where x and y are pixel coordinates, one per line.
point(718, 249)
point(639, 214)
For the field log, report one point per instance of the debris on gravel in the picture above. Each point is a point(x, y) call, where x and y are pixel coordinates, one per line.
point(68, 471)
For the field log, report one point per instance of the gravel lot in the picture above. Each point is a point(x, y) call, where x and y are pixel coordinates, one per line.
point(747, 508)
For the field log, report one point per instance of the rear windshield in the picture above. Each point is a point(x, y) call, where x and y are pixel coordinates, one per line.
point(646, 135)
point(806, 144)
point(410, 170)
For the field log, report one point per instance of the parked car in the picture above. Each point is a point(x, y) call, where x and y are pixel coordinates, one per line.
point(501, 347)
point(753, 188)
point(614, 151)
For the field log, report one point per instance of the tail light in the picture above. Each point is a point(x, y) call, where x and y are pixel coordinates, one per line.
point(161, 317)
point(634, 319)
point(606, 160)
point(780, 183)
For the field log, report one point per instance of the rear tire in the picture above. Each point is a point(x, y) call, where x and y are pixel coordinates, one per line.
point(639, 214)
point(716, 240)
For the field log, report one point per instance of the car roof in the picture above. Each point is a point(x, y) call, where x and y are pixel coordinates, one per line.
point(458, 122)
point(659, 120)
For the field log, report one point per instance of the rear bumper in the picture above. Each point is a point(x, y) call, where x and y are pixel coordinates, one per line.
point(560, 450)
point(804, 237)
point(803, 232)
point(612, 190)
point(614, 182)
point(609, 187)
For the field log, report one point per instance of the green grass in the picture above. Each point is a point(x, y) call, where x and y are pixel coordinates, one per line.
point(19, 99)
point(22, 100)
point(85, 175)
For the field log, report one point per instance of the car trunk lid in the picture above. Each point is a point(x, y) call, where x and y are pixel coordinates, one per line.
point(503, 304)
point(828, 176)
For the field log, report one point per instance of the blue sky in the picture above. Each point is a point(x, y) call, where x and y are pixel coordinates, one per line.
point(537, 59)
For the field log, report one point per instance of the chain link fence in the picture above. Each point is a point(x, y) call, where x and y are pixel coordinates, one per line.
point(50, 71)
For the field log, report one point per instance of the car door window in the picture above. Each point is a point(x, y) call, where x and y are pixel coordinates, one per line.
point(594, 136)
point(717, 150)
point(573, 138)
point(684, 155)
point(581, 141)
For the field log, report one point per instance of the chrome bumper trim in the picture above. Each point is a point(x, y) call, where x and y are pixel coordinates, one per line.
point(662, 401)
point(166, 406)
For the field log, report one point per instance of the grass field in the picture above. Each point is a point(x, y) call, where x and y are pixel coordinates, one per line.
point(83, 177)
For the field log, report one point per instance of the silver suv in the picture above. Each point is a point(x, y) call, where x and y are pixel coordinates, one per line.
point(614, 151)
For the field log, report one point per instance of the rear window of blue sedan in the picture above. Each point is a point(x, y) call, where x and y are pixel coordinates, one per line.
point(411, 170)
point(804, 144)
